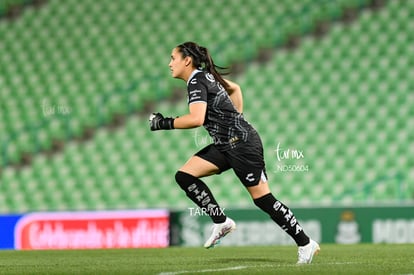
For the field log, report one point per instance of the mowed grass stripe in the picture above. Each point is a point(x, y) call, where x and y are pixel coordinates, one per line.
point(333, 259)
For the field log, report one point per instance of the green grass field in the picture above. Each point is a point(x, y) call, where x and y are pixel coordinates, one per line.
point(333, 259)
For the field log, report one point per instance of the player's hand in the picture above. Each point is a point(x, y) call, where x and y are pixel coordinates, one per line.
point(159, 122)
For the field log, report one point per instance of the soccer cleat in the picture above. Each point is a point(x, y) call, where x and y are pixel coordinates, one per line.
point(219, 231)
point(306, 252)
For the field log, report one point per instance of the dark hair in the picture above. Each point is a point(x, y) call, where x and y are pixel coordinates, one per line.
point(203, 60)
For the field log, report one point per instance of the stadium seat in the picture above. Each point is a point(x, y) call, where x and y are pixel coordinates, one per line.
point(344, 99)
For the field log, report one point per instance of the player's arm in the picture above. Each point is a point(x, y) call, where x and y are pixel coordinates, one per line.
point(195, 117)
point(197, 104)
point(235, 94)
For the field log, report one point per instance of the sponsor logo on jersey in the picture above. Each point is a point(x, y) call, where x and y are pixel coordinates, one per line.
point(210, 77)
point(194, 95)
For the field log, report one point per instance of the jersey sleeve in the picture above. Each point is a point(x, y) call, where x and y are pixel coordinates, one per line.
point(197, 91)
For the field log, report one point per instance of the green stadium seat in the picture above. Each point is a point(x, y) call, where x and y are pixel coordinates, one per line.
point(329, 96)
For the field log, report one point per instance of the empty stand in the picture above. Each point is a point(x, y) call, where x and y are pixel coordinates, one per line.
point(343, 99)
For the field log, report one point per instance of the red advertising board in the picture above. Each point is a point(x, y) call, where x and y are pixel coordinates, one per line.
point(93, 230)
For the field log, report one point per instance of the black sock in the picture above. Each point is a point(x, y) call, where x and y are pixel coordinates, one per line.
point(201, 195)
point(283, 216)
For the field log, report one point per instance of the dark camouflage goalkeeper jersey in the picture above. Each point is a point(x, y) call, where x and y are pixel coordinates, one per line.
point(226, 126)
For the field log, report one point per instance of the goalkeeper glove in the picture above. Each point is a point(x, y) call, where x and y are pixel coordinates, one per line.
point(158, 122)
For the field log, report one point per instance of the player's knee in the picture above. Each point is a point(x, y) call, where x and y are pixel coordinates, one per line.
point(184, 179)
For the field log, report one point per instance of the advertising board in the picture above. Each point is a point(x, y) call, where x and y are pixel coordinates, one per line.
point(342, 225)
point(86, 230)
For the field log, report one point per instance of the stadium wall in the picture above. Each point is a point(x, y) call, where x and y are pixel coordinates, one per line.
point(342, 225)
point(85, 230)
point(159, 228)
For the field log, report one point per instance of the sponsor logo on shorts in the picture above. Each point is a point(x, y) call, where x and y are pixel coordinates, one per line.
point(250, 177)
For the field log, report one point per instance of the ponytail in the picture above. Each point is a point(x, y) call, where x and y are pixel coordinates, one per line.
point(202, 60)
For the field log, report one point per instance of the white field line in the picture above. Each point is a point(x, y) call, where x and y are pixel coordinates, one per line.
point(246, 266)
point(204, 270)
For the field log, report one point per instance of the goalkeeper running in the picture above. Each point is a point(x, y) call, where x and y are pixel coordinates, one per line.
point(217, 104)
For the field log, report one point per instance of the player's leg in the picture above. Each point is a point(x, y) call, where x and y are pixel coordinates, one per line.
point(278, 212)
point(205, 163)
point(284, 217)
point(259, 190)
point(188, 178)
point(248, 164)
point(199, 167)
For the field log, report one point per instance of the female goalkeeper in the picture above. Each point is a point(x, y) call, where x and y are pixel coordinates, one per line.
point(217, 104)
